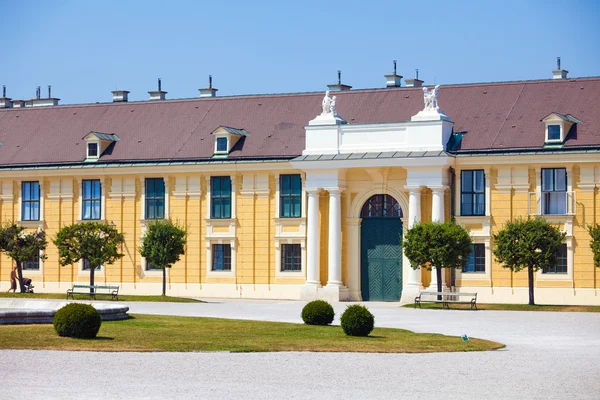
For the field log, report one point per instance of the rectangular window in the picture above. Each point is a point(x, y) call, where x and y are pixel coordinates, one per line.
point(32, 265)
point(92, 149)
point(155, 198)
point(472, 193)
point(86, 265)
point(91, 199)
point(291, 258)
point(290, 196)
point(553, 132)
point(476, 260)
point(561, 262)
point(221, 257)
point(222, 144)
point(30, 192)
point(150, 267)
point(554, 191)
point(220, 197)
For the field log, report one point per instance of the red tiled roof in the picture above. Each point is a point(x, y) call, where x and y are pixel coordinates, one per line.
point(493, 115)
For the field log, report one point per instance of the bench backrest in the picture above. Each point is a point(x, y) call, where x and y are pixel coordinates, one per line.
point(447, 294)
point(95, 287)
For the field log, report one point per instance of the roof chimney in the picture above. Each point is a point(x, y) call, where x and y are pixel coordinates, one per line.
point(39, 101)
point(339, 86)
point(416, 82)
point(5, 101)
point(120, 96)
point(209, 91)
point(393, 80)
point(559, 73)
point(158, 94)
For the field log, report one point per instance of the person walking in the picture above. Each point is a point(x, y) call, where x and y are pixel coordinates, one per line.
point(13, 280)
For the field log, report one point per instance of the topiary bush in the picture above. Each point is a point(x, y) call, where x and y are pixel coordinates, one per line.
point(76, 320)
point(357, 321)
point(318, 312)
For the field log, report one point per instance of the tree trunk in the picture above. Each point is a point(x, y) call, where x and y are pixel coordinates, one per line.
point(164, 281)
point(530, 278)
point(92, 271)
point(20, 276)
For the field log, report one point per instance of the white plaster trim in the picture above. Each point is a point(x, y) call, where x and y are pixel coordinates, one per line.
point(209, 244)
point(290, 240)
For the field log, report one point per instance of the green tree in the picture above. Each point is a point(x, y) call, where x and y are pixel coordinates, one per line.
point(162, 246)
point(22, 246)
point(97, 243)
point(594, 232)
point(528, 243)
point(437, 245)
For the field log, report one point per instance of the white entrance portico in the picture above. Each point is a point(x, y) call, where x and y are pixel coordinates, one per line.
point(402, 160)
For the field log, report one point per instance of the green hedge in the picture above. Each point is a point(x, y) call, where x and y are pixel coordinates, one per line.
point(76, 320)
point(357, 321)
point(318, 312)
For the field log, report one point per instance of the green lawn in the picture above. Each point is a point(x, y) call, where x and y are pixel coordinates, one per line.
point(510, 307)
point(63, 296)
point(164, 333)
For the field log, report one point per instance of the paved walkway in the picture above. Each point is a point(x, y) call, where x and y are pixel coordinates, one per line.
point(548, 356)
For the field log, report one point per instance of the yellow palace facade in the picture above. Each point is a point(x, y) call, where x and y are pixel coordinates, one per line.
point(303, 196)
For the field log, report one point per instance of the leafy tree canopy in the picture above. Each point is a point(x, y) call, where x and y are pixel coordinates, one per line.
point(528, 243)
point(98, 243)
point(164, 243)
point(594, 232)
point(20, 245)
point(437, 244)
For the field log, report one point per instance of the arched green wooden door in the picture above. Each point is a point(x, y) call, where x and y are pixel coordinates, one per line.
point(381, 249)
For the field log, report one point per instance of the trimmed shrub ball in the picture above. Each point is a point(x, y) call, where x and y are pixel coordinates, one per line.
point(76, 320)
point(318, 312)
point(357, 321)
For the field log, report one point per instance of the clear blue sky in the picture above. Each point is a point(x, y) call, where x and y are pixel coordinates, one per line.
point(85, 49)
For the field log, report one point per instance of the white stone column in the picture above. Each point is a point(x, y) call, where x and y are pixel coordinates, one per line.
point(313, 239)
point(414, 217)
point(437, 215)
point(335, 239)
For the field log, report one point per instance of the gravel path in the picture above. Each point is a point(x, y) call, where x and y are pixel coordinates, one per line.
point(548, 356)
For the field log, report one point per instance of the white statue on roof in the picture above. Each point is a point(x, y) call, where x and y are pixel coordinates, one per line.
point(430, 99)
point(332, 109)
point(326, 104)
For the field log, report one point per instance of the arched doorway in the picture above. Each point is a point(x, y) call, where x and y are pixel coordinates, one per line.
point(381, 249)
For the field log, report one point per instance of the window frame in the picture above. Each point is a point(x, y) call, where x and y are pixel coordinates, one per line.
point(97, 150)
point(547, 198)
point(30, 202)
point(287, 194)
point(85, 266)
point(562, 262)
point(148, 200)
point(291, 262)
point(33, 261)
point(226, 257)
point(559, 132)
point(92, 201)
point(219, 201)
point(221, 140)
point(473, 193)
point(479, 260)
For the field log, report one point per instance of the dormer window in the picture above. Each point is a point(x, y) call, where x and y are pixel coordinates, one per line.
point(98, 143)
point(226, 138)
point(92, 150)
point(557, 127)
point(553, 132)
point(221, 145)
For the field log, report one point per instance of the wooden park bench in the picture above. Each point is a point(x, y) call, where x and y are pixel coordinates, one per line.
point(92, 291)
point(447, 298)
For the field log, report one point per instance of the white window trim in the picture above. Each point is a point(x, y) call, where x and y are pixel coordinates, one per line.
point(103, 189)
point(83, 272)
point(562, 132)
point(219, 136)
point(143, 197)
point(568, 277)
point(290, 274)
point(31, 223)
point(34, 272)
point(209, 244)
point(487, 192)
point(478, 276)
point(87, 150)
point(233, 179)
point(303, 198)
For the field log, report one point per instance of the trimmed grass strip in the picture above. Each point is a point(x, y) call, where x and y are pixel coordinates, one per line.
point(166, 333)
point(510, 307)
point(99, 297)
